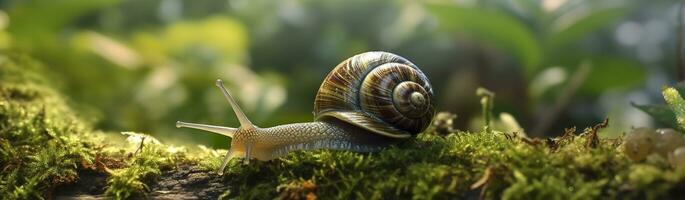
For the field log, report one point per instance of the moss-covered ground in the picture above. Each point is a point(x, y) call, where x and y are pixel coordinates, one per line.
point(48, 151)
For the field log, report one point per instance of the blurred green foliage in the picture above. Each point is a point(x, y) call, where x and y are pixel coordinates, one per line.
point(495, 28)
point(142, 65)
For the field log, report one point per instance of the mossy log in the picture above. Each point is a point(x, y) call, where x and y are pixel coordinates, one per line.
point(47, 151)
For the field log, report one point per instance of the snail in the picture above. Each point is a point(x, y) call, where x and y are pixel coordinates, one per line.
point(367, 102)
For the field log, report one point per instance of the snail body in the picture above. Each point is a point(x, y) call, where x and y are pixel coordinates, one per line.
point(367, 102)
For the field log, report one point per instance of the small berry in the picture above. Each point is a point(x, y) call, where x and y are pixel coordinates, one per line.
point(677, 158)
point(668, 141)
point(638, 144)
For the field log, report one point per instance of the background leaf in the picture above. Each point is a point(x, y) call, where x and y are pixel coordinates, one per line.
point(662, 114)
point(493, 28)
point(612, 73)
point(583, 25)
point(39, 19)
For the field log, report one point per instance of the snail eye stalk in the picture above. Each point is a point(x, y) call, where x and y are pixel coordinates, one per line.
point(242, 118)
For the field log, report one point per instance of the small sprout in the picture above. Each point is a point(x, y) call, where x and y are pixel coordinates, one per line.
point(668, 141)
point(677, 158)
point(638, 144)
point(444, 123)
point(486, 100)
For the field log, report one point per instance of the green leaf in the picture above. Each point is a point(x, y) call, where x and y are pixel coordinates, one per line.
point(569, 32)
point(493, 28)
point(605, 75)
point(662, 114)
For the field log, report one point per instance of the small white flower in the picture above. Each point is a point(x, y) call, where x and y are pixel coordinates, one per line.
point(135, 138)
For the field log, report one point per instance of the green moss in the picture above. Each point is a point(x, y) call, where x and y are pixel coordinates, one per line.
point(428, 167)
point(143, 167)
point(434, 167)
point(43, 145)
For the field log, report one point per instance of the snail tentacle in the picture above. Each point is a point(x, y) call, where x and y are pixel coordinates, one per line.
point(227, 131)
point(245, 126)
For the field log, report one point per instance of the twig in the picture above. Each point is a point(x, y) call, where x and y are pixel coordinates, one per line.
point(593, 138)
point(142, 143)
point(487, 175)
point(575, 82)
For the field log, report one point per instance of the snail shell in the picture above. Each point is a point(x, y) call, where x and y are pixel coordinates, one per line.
point(378, 91)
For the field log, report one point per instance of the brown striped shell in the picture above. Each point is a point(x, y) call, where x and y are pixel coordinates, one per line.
point(378, 91)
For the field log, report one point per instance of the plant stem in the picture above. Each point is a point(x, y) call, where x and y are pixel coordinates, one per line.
point(486, 100)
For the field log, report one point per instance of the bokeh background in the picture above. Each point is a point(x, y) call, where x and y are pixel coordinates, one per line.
point(131, 65)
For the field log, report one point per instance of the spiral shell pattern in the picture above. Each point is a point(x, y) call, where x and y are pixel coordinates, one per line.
point(378, 91)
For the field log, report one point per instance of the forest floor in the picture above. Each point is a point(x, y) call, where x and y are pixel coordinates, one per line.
point(48, 151)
